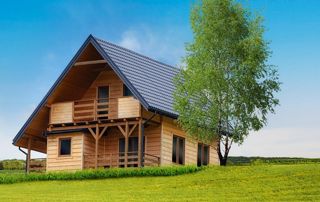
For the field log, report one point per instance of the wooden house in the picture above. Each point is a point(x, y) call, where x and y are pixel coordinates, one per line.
point(111, 107)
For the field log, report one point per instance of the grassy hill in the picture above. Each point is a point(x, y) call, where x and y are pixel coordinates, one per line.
point(242, 183)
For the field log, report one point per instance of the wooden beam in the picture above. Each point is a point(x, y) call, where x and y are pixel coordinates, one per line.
point(126, 144)
point(132, 129)
point(139, 143)
point(92, 125)
point(92, 133)
point(122, 131)
point(29, 154)
point(103, 131)
point(92, 62)
point(97, 147)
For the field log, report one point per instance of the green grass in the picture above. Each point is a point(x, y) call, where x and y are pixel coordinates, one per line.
point(10, 178)
point(299, 182)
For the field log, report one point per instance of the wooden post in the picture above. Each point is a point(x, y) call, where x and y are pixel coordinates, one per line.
point(126, 144)
point(29, 155)
point(97, 147)
point(139, 143)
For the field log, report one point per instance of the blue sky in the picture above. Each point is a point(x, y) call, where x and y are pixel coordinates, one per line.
point(38, 39)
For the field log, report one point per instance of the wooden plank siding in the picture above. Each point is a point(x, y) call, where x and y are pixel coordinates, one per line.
point(107, 78)
point(61, 113)
point(128, 107)
point(153, 140)
point(72, 162)
point(170, 128)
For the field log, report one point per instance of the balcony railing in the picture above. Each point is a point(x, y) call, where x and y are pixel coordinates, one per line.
point(109, 160)
point(94, 110)
point(90, 110)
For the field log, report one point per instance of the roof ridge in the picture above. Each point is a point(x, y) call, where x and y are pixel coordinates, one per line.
point(144, 56)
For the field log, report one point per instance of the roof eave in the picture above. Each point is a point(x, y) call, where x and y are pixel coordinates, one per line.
point(56, 83)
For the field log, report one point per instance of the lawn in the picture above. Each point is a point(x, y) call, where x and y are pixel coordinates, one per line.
point(238, 183)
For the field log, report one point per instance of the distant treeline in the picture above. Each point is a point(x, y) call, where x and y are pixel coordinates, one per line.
point(12, 164)
point(242, 160)
point(16, 164)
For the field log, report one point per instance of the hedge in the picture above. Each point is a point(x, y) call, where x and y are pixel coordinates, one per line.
point(99, 174)
point(12, 164)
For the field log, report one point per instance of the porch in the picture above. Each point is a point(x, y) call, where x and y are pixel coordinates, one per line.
point(116, 160)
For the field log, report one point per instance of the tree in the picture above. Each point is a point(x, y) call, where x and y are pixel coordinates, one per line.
point(226, 88)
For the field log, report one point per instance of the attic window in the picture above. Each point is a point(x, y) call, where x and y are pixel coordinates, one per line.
point(126, 91)
point(64, 146)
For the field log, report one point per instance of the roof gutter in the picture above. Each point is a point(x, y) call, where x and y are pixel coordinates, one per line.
point(26, 154)
point(142, 137)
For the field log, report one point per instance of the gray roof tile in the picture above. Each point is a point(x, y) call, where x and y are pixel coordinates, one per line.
point(152, 79)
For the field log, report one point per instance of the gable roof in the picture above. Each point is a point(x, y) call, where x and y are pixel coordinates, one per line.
point(150, 81)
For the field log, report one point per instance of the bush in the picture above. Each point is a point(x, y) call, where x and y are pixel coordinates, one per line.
point(13, 164)
point(100, 174)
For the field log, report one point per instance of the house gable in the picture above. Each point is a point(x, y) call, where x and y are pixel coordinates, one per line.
point(75, 82)
point(150, 81)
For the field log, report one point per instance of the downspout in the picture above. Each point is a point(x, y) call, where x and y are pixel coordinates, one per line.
point(142, 137)
point(26, 166)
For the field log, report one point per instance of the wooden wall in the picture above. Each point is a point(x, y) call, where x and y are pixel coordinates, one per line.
point(72, 162)
point(61, 113)
point(153, 140)
point(128, 107)
point(107, 78)
point(170, 128)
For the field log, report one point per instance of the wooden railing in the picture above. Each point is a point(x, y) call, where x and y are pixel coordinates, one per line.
point(94, 110)
point(109, 160)
point(90, 110)
point(38, 164)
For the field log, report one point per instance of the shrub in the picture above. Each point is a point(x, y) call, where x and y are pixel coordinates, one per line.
point(13, 164)
point(100, 174)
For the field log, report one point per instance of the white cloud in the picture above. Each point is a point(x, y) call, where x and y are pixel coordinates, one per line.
point(291, 142)
point(130, 41)
point(162, 46)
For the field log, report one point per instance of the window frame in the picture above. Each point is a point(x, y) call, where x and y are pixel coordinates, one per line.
point(102, 86)
point(59, 149)
point(177, 150)
point(202, 146)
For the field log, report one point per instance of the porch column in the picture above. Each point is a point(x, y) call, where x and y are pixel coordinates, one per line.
point(126, 144)
point(139, 143)
point(97, 147)
point(29, 154)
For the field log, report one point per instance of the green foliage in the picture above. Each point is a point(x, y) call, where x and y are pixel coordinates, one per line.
point(226, 84)
point(12, 164)
point(242, 160)
point(99, 174)
point(234, 183)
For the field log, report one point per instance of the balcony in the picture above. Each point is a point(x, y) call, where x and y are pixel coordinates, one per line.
point(94, 110)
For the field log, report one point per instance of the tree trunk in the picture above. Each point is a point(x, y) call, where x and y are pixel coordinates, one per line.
point(223, 157)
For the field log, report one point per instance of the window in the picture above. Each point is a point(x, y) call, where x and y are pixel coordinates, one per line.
point(103, 99)
point(178, 150)
point(126, 91)
point(65, 146)
point(132, 151)
point(203, 155)
point(103, 93)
